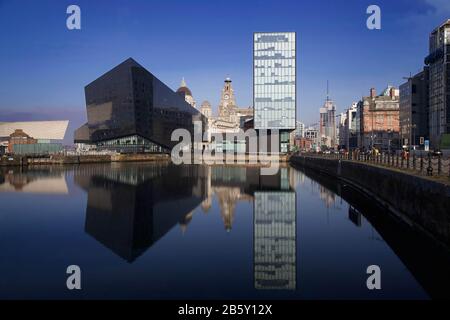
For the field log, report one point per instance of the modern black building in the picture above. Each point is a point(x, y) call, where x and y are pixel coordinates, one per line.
point(414, 109)
point(130, 110)
point(438, 62)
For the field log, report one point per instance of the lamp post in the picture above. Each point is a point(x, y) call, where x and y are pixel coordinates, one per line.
point(412, 136)
point(389, 140)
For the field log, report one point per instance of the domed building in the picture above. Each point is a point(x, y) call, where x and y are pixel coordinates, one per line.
point(186, 92)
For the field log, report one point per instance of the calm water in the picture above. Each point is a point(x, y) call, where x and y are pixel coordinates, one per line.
point(159, 231)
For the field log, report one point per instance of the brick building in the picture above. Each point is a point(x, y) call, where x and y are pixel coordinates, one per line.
point(377, 120)
point(19, 137)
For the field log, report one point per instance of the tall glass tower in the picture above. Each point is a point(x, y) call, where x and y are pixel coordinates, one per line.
point(274, 83)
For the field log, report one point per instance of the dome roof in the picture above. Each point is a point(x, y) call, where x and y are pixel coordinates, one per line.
point(184, 89)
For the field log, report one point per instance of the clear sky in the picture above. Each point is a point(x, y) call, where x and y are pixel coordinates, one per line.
point(44, 66)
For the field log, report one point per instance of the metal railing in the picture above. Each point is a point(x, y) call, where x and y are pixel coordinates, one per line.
point(427, 165)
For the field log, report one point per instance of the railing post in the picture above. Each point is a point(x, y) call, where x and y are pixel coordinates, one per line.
point(414, 162)
point(430, 167)
point(401, 162)
point(439, 165)
point(421, 164)
point(448, 167)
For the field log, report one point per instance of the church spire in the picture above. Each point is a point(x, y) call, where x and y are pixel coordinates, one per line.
point(183, 83)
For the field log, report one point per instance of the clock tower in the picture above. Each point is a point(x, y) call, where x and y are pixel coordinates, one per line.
point(227, 106)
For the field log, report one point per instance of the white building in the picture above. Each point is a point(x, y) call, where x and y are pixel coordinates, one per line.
point(299, 130)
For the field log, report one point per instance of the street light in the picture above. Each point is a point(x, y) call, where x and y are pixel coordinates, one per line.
point(389, 140)
point(413, 142)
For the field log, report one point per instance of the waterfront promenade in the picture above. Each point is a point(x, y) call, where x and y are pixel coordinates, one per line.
point(60, 159)
point(96, 157)
point(432, 167)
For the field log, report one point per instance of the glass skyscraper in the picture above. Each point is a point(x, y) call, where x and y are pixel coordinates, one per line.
point(274, 82)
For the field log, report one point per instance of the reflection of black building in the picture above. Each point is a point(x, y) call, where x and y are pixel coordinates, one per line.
point(129, 209)
point(129, 109)
point(354, 215)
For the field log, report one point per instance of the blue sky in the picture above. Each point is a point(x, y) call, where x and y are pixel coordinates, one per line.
point(44, 66)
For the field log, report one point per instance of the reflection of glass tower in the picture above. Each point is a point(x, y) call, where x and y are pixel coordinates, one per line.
point(275, 240)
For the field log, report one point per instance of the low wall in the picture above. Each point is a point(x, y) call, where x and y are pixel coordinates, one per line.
point(139, 157)
point(63, 159)
point(10, 161)
point(417, 200)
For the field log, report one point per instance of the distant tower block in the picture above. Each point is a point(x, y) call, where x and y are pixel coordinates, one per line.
point(206, 109)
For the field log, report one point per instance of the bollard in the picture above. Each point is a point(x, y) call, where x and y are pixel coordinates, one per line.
point(414, 162)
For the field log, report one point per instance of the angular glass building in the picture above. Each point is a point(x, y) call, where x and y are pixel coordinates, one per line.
point(274, 83)
point(130, 110)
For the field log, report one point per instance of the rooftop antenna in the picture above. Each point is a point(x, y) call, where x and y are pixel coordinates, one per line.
point(408, 78)
point(328, 91)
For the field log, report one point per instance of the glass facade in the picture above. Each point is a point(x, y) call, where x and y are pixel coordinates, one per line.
point(274, 73)
point(438, 61)
point(274, 233)
point(275, 240)
point(131, 144)
point(129, 101)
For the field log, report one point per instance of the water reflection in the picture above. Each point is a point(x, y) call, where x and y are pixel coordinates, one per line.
point(296, 234)
point(43, 180)
point(275, 240)
point(130, 208)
